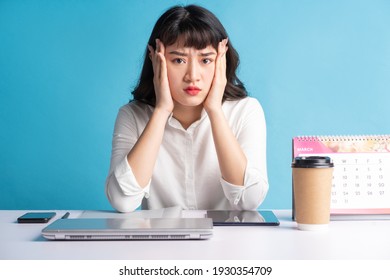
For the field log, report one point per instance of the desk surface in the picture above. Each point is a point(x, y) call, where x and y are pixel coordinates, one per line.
point(344, 240)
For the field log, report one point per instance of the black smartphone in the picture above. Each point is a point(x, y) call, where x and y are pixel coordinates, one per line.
point(36, 217)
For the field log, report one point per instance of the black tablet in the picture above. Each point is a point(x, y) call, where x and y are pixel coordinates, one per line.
point(243, 218)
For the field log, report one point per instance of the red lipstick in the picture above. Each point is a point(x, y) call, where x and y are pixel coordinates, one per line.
point(192, 90)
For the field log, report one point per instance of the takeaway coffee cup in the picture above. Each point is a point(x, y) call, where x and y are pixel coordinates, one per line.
point(312, 183)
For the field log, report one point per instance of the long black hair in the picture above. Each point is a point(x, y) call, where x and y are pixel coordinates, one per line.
point(196, 27)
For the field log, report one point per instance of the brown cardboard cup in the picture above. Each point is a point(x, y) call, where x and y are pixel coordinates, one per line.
point(312, 181)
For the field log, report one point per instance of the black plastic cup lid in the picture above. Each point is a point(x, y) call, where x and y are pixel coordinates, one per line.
point(312, 162)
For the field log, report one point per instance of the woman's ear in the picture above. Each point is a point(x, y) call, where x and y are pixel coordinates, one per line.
point(150, 48)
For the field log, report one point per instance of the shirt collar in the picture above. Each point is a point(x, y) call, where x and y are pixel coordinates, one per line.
point(176, 124)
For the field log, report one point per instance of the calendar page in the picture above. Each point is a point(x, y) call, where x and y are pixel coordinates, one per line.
point(361, 176)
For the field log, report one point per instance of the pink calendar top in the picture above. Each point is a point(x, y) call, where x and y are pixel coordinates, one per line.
point(341, 144)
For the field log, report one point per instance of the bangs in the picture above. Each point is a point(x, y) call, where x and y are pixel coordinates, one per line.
point(192, 34)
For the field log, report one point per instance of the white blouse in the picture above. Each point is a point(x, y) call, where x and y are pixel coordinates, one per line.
point(186, 172)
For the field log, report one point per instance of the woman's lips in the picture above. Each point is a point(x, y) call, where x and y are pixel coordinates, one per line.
point(192, 90)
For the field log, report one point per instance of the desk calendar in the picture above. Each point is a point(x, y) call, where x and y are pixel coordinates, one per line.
point(361, 175)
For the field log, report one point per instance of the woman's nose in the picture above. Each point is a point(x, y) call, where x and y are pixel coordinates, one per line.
point(193, 72)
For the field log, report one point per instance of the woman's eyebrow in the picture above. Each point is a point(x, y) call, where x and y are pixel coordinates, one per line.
point(186, 54)
point(208, 54)
point(178, 53)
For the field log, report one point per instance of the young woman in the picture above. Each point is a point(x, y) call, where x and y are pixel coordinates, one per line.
point(191, 137)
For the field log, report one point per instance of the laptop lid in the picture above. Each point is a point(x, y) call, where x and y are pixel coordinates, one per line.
point(129, 229)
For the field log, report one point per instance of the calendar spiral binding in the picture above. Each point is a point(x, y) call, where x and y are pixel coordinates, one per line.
point(342, 138)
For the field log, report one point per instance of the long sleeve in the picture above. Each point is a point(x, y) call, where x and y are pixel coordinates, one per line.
point(122, 188)
point(250, 130)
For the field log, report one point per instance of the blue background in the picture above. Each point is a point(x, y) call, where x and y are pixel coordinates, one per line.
point(317, 67)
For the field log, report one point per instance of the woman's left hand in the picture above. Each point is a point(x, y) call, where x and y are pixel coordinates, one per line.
point(214, 98)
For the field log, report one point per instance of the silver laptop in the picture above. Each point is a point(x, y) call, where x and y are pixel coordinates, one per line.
point(129, 229)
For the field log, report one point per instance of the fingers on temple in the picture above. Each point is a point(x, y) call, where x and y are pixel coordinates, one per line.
point(222, 47)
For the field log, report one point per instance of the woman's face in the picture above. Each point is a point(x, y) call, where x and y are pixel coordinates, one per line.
point(190, 73)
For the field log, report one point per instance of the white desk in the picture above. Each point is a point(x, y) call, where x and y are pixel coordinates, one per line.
point(345, 240)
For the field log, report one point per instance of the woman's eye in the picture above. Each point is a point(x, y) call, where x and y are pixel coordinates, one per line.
point(178, 61)
point(206, 61)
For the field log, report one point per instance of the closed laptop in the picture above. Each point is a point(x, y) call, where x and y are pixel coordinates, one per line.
point(129, 229)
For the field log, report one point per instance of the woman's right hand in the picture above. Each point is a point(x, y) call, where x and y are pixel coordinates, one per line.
point(161, 85)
